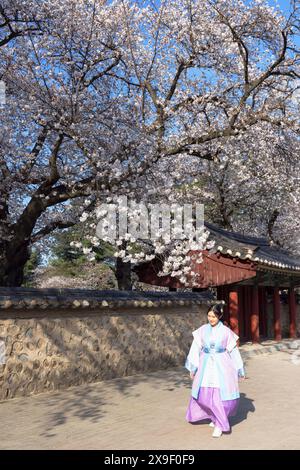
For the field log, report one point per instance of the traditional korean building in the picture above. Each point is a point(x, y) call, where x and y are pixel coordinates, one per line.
point(248, 274)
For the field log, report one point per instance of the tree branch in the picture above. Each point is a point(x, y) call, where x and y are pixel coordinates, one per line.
point(50, 228)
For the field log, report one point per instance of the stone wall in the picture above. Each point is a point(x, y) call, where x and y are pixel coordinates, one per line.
point(50, 349)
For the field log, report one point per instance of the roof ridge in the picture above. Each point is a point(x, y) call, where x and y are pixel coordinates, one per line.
point(249, 239)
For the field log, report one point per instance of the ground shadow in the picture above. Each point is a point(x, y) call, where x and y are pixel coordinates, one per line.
point(88, 402)
point(245, 406)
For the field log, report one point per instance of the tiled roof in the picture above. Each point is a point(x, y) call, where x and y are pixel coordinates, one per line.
point(256, 249)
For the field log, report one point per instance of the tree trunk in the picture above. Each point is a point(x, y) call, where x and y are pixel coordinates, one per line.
point(12, 265)
point(123, 275)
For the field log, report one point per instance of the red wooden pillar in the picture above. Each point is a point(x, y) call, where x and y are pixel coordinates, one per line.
point(234, 311)
point(277, 322)
point(254, 315)
point(262, 310)
point(241, 311)
point(292, 313)
point(248, 309)
point(226, 298)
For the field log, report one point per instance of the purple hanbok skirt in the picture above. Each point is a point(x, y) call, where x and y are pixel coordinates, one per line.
point(210, 406)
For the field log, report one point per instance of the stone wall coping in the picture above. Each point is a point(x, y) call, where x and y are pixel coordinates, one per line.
point(16, 298)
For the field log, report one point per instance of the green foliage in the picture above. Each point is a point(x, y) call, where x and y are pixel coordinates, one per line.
point(61, 248)
point(69, 261)
point(67, 268)
point(33, 262)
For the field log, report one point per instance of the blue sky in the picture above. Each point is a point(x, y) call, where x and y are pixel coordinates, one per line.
point(286, 8)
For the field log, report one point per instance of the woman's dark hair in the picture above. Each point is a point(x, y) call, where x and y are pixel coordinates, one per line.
point(217, 310)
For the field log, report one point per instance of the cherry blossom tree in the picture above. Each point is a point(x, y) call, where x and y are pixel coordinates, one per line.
point(253, 188)
point(58, 91)
point(19, 18)
point(101, 95)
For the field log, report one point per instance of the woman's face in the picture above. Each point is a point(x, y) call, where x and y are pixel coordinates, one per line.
point(212, 318)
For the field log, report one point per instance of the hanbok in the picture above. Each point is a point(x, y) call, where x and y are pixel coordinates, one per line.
point(215, 360)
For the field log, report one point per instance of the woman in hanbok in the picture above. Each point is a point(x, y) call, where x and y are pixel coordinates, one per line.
point(215, 365)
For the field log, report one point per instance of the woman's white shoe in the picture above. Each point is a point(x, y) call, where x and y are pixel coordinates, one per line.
point(211, 424)
point(217, 432)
